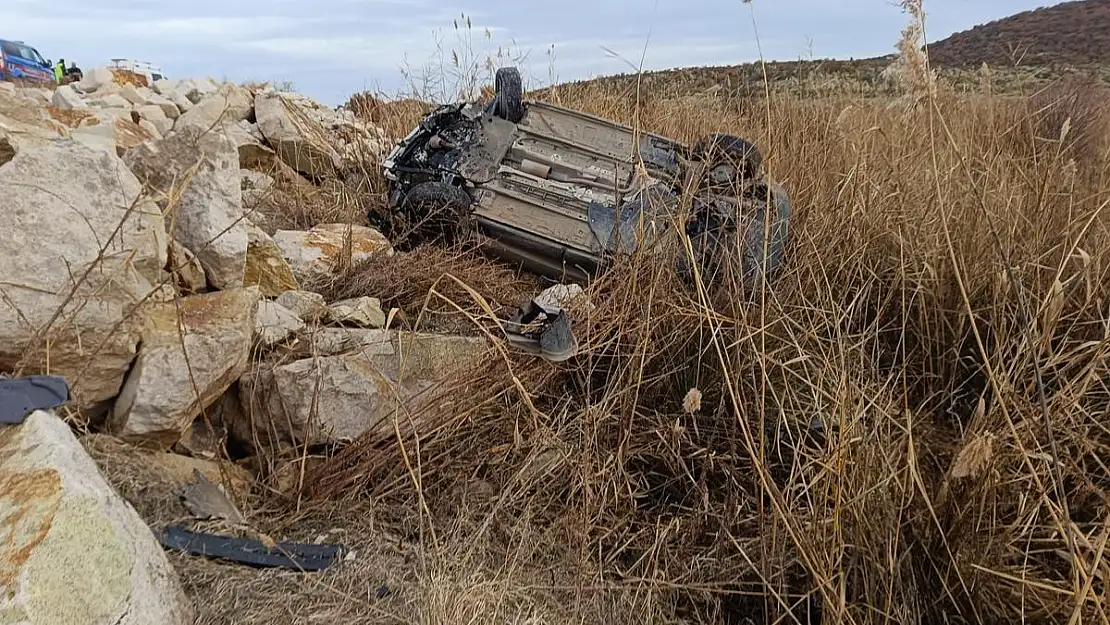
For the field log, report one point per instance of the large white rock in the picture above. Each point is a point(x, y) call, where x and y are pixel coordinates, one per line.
point(98, 137)
point(133, 94)
point(169, 108)
point(334, 399)
point(66, 97)
point(315, 254)
point(266, 267)
point(64, 249)
point(192, 351)
point(275, 323)
point(94, 80)
point(294, 134)
point(230, 103)
point(358, 311)
point(74, 551)
point(307, 305)
point(209, 216)
point(156, 115)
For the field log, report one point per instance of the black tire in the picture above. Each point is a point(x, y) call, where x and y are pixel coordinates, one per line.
point(509, 93)
point(437, 209)
point(724, 149)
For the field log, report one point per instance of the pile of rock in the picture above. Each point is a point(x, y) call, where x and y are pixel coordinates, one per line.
point(132, 268)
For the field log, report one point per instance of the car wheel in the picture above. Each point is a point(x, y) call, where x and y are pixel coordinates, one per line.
point(509, 91)
point(437, 208)
point(728, 158)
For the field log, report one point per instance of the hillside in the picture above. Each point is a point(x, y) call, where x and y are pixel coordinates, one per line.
point(1029, 49)
point(1067, 34)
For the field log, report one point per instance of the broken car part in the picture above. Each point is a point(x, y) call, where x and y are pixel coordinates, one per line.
point(19, 397)
point(293, 556)
point(563, 193)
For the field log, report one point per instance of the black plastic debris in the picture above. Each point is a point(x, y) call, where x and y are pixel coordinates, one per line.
point(543, 331)
point(19, 397)
point(293, 556)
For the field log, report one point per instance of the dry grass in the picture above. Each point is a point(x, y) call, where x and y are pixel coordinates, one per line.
point(911, 427)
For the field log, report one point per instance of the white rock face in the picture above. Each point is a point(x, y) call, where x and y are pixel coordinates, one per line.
point(312, 138)
point(75, 552)
point(192, 351)
point(306, 305)
point(230, 103)
point(275, 324)
point(94, 80)
point(339, 398)
point(60, 239)
point(66, 97)
point(315, 254)
point(209, 218)
point(359, 311)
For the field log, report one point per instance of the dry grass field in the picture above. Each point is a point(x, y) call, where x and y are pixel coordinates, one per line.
point(912, 427)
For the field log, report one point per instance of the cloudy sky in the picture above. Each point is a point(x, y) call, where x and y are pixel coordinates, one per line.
point(332, 48)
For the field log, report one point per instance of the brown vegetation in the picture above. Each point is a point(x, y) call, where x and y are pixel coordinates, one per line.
point(909, 429)
point(1067, 34)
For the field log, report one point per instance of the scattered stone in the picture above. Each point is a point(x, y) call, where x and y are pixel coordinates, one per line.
point(338, 398)
point(319, 252)
point(55, 234)
point(157, 116)
point(209, 216)
point(275, 324)
point(230, 103)
point(309, 306)
point(99, 137)
point(325, 341)
point(94, 80)
point(314, 139)
point(128, 134)
point(186, 270)
point(133, 94)
point(360, 311)
point(266, 267)
point(65, 528)
point(170, 385)
point(65, 97)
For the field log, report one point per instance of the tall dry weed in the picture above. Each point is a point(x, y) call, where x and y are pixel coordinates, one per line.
point(871, 441)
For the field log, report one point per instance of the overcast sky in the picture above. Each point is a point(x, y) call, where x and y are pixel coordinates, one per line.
point(332, 48)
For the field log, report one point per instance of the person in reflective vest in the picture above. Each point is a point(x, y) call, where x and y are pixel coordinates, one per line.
point(59, 70)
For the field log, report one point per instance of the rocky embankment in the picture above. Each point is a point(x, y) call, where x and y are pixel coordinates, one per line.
point(134, 265)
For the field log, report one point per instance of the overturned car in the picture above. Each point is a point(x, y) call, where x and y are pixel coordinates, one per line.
point(563, 193)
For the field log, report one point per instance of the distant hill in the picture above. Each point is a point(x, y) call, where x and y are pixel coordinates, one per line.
point(1067, 34)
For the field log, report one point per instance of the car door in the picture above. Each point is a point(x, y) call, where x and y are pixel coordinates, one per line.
point(23, 61)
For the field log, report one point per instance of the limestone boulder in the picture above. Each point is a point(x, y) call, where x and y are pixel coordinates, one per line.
point(294, 135)
point(95, 80)
point(192, 351)
point(66, 97)
point(156, 115)
point(75, 551)
point(305, 304)
point(266, 267)
point(275, 324)
point(187, 272)
point(359, 311)
point(317, 253)
point(80, 250)
point(314, 139)
point(98, 137)
point(333, 399)
point(230, 103)
point(333, 341)
point(201, 171)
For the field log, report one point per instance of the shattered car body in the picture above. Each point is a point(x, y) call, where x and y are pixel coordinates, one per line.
point(562, 193)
